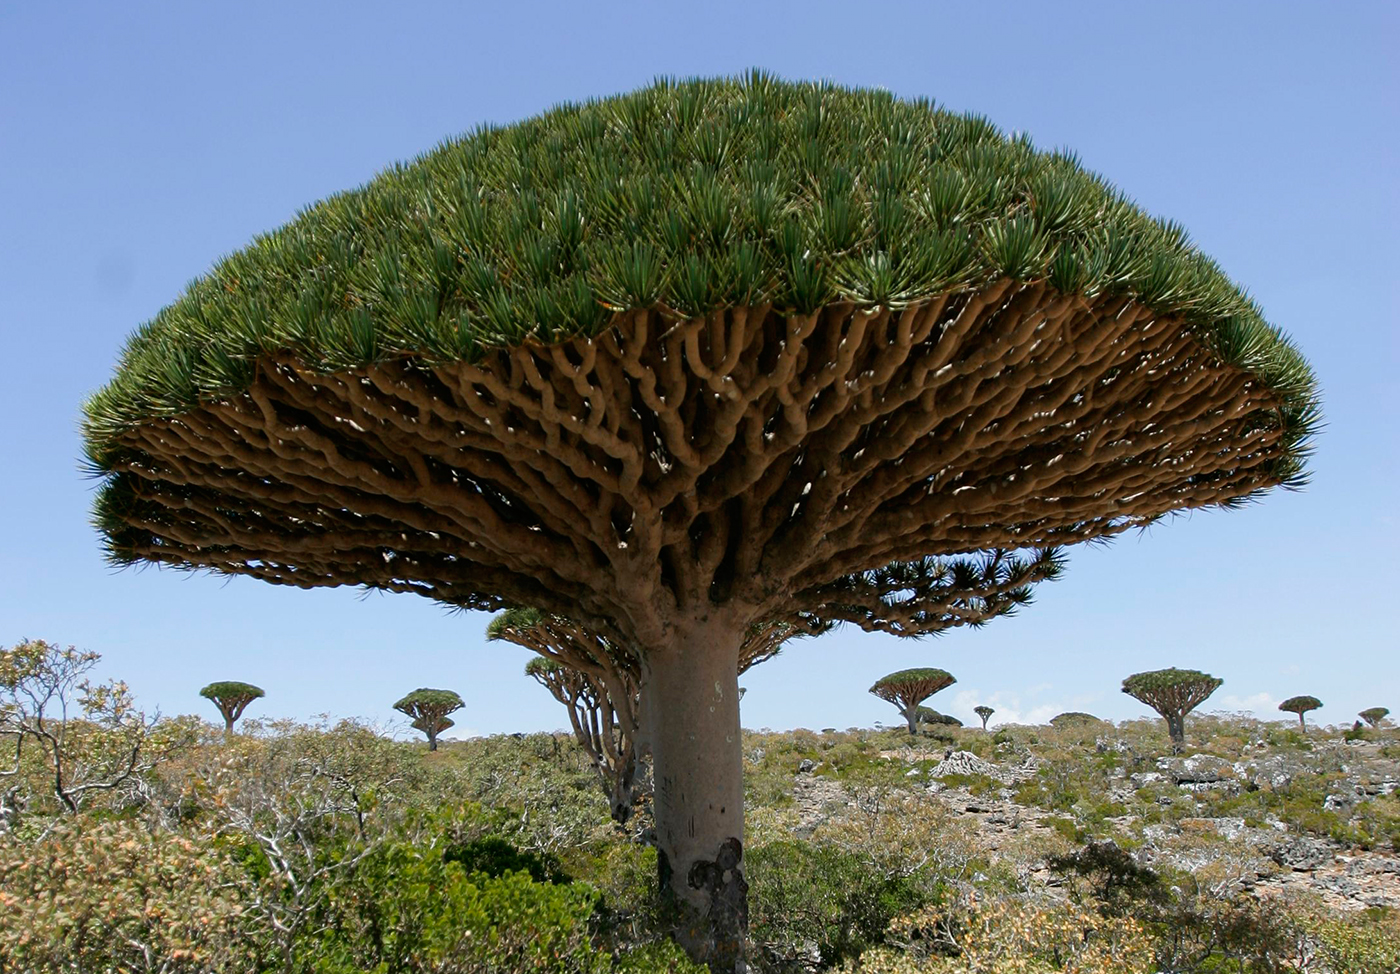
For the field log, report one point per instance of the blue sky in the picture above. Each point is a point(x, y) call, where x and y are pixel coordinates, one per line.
point(139, 142)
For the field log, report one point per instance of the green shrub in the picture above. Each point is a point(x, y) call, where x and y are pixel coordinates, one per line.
point(409, 908)
point(802, 893)
point(494, 857)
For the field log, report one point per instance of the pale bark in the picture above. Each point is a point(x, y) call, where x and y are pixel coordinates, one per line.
point(693, 683)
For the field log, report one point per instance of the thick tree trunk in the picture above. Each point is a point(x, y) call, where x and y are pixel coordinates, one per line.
point(1302, 724)
point(699, 790)
point(228, 727)
point(432, 740)
point(1176, 729)
point(911, 715)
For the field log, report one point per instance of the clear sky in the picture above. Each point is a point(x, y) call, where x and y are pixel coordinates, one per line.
point(141, 141)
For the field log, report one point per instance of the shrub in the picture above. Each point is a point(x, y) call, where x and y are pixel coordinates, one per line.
point(494, 857)
point(409, 907)
point(803, 893)
point(101, 896)
point(1013, 936)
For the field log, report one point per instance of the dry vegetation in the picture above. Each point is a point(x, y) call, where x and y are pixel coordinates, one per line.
point(333, 848)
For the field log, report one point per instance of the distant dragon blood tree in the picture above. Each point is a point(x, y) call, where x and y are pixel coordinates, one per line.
point(1172, 693)
point(232, 698)
point(983, 712)
point(1300, 705)
point(1374, 716)
point(676, 362)
point(599, 682)
point(906, 689)
point(1074, 718)
point(429, 709)
point(933, 718)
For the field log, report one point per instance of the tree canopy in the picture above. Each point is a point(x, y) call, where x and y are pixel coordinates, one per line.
point(231, 690)
point(1171, 690)
point(927, 715)
point(1300, 704)
point(425, 701)
point(926, 680)
point(1374, 715)
point(1072, 718)
point(614, 220)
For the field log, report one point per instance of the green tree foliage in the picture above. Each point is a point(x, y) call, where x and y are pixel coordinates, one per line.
point(693, 195)
point(1173, 693)
point(906, 689)
point(927, 715)
point(826, 896)
point(1300, 705)
point(429, 709)
point(232, 698)
point(984, 712)
point(1074, 718)
point(1374, 716)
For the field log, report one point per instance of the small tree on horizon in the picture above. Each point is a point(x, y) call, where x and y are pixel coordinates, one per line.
point(1072, 718)
point(1300, 705)
point(429, 709)
point(1173, 693)
point(984, 712)
point(232, 698)
point(906, 689)
point(1374, 716)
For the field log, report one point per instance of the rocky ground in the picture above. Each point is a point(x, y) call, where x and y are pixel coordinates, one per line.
point(1169, 809)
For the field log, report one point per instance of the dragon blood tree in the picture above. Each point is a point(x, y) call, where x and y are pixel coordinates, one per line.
point(931, 717)
point(232, 698)
point(1374, 715)
point(906, 689)
point(429, 710)
point(599, 680)
point(1172, 693)
point(1074, 718)
point(675, 362)
point(598, 727)
point(1300, 705)
point(983, 712)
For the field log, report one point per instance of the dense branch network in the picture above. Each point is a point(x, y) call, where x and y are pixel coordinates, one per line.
point(748, 457)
